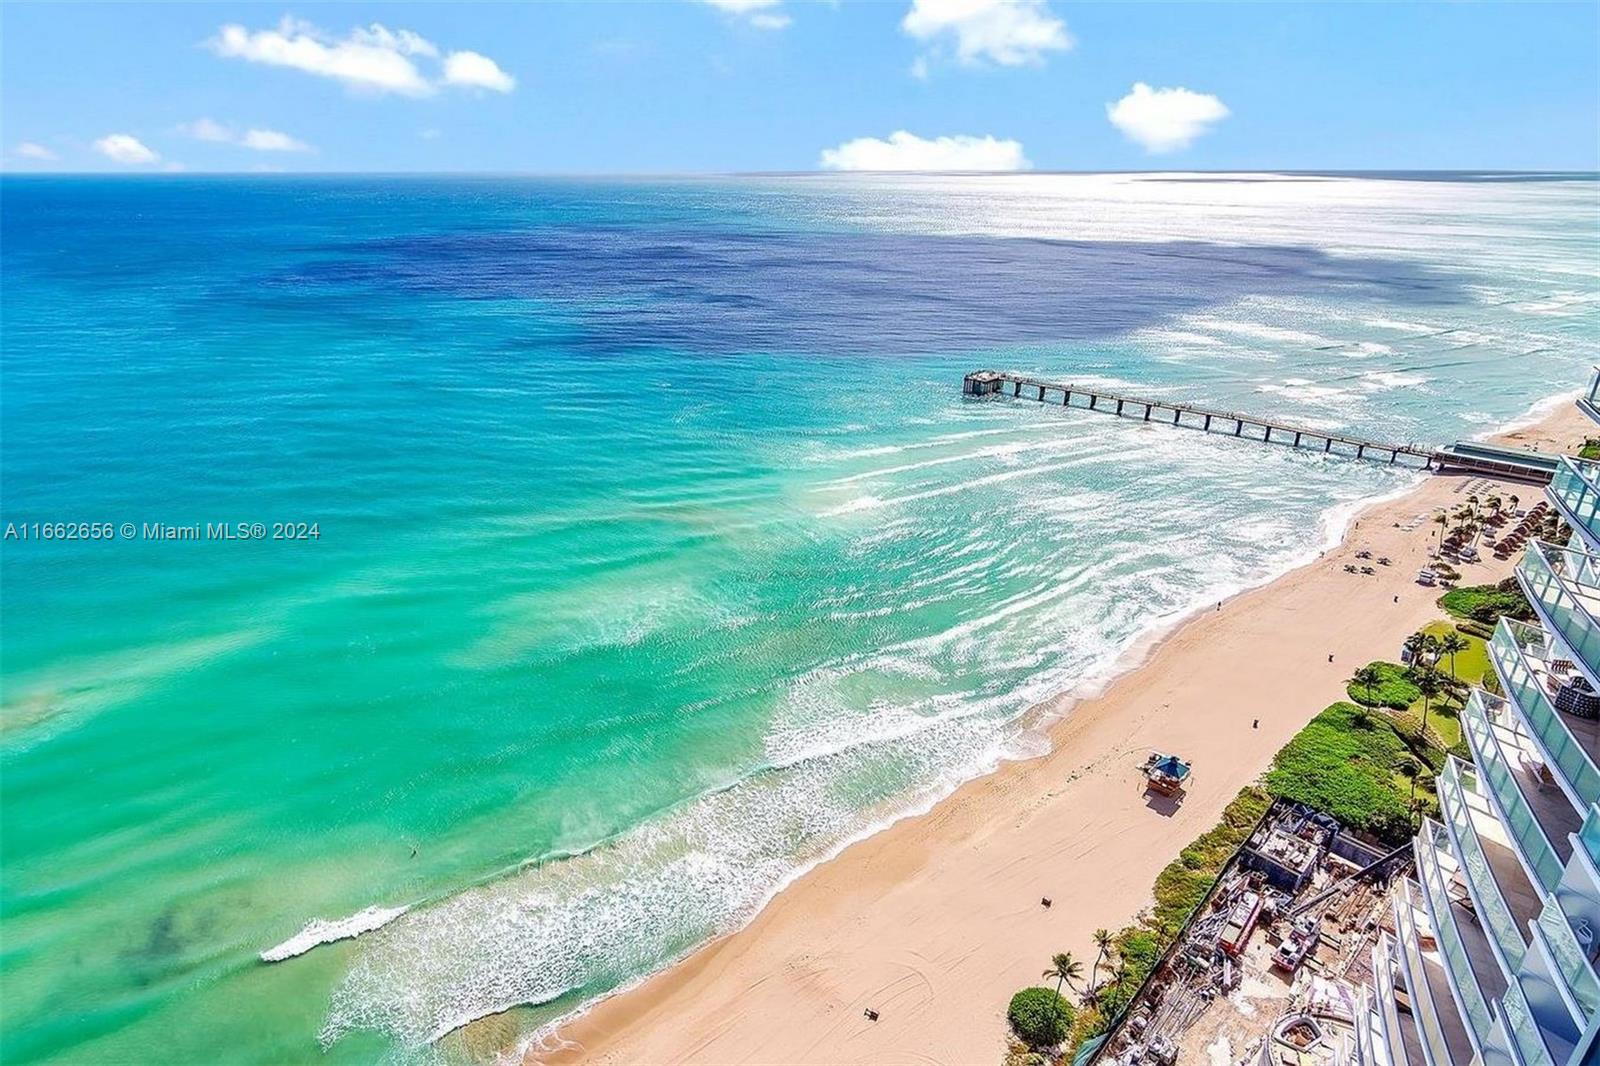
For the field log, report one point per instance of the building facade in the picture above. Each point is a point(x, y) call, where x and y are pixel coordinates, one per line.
point(1497, 934)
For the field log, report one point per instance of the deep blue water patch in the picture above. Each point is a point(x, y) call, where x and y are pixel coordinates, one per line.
point(713, 291)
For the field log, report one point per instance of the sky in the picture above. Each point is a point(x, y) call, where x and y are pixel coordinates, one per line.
point(710, 86)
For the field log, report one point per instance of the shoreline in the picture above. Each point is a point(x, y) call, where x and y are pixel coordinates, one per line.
point(802, 942)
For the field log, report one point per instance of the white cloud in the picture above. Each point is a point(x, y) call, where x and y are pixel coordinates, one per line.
point(371, 59)
point(260, 140)
point(907, 151)
point(762, 14)
point(272, 141)
point(204, 129)
point(125, 148)
point(403, 41)
point(477, 71)
point(30, 150)
point(362, 61)
point(1164, 120)
point(1011, 33)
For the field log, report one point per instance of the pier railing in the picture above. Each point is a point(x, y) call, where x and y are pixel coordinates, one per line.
point(1246, 427)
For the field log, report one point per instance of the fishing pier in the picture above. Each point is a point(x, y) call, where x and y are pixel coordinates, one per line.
point(1463, 457)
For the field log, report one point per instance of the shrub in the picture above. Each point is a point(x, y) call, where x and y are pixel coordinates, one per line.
point(1396, 690)
point(1039, 1016)
point(1486, 603)
point(1346, 766)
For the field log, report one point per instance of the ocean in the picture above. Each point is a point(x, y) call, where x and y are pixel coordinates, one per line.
point(638, 549)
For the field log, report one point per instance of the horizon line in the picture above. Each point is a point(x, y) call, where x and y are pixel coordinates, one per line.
point(703, 174)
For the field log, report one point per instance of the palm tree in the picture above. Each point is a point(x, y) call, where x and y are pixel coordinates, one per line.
point(1102, 940)
point(1441, 520)
point(1065, 969)
point(1430, 686)
point(1451, 643)
point(1121, 982)
point(1415, 645)
point(1368, 677)
point(1514, 501)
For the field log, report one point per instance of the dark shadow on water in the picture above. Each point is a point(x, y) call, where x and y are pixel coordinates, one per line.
point(714, 290)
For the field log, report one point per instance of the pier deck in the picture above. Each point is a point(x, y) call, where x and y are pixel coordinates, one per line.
point(1463, 457)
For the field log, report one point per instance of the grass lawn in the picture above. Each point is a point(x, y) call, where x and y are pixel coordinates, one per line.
point(1396, 690)
point(1471, 664)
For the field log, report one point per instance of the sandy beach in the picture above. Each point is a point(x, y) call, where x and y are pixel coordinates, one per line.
point(936, 921)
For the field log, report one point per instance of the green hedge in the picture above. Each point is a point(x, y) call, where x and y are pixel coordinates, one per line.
point(1040, 1017)
point(1396, 690)
point(1486, 603)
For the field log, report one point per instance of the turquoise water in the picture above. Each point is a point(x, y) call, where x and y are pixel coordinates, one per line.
point(658, 555)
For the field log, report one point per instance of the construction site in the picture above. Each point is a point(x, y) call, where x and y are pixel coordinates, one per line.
point(1270, 968)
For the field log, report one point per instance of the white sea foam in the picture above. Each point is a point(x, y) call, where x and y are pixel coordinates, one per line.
point(1260, 331)
point(1303, 389)
point(321, 931)
point(1401, 326)
point(1391, 379)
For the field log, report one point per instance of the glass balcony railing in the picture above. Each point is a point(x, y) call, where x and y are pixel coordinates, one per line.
point(1525, 1036)
point(1490, 902)
point(1574, 968)
point(1509, 802)
point(1576, 491)
point(1522, 655)
point(1502, 1039)
point(1564, 586)
point(1589, 836)
point(1463, 981)
point(1383, 984)
point(1589, 402)
point(1423, 1009)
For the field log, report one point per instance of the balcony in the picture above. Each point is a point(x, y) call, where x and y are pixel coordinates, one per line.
point(1589, 837)
point(1576, 494)
point(1525, 1037)
point(1563, 584)
point(1469, 961)
point(1445, 1041)
point(1402, 1041)
point(1372, 1036)
point(1589, 402)
point(1538, 681)
point(1533, 810)
point(1504, 899)
point(1580, 986)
